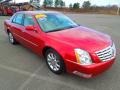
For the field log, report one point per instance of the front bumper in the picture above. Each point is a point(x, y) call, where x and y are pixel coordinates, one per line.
point(88, 71)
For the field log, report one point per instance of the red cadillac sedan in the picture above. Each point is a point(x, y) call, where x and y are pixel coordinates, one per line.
point(65, 45)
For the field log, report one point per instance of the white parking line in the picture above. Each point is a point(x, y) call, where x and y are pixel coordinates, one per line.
point(15, 70)
point(34, 75)
point(30, 78)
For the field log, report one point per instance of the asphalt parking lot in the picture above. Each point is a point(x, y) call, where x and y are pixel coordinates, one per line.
point(20, 69)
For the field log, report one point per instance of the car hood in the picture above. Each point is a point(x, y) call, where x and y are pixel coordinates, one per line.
point(82, 37)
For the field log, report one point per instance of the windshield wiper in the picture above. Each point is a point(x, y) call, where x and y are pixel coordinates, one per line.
point(62, 29)
point(54, 30)
point(69, 27)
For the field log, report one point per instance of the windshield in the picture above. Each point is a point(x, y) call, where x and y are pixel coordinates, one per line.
point(54, 22)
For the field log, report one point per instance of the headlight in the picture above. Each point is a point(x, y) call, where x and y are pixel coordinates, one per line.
point(114, 49)
point(83, 57)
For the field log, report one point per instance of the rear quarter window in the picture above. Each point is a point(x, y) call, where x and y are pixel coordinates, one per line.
point(18, 19)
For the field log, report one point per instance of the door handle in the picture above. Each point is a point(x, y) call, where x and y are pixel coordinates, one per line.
point(35, 31)
point(23, 30)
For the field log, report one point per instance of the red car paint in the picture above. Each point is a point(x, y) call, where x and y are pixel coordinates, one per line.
point(64, 42)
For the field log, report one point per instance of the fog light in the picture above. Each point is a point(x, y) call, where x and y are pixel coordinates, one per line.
point(82, 74)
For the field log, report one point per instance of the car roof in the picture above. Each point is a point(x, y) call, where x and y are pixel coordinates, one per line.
point(37, 12)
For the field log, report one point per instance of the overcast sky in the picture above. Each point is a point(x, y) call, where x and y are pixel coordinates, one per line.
point(93, 2)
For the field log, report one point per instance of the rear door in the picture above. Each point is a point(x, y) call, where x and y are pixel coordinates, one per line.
point(17, 27)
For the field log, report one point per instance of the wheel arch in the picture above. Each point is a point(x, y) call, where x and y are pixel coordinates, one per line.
point(8, 31)
point(45, 49)
point(48, 47)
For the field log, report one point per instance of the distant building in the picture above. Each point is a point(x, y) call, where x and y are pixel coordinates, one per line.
point(35, 2)
point(9, 8)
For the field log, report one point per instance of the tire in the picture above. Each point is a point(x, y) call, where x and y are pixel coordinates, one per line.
point(11, 38)
point(54, 61)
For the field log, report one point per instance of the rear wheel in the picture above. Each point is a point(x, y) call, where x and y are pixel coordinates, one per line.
point(11, 38)
point(54, 61)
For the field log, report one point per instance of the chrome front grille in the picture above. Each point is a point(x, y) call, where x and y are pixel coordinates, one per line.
point(107, 54)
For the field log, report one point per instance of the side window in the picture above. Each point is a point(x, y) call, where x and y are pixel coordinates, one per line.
point(14, 18)
point(18, 19)
point(28, 20)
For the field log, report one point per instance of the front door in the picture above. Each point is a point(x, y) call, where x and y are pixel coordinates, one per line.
point(32, 37)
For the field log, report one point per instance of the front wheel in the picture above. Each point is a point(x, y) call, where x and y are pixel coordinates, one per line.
point(54, 62)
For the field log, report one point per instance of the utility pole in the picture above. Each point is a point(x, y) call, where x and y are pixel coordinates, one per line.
point(118, 10)
point(14, 1)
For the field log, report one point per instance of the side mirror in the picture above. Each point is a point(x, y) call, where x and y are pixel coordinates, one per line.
point(30, 28)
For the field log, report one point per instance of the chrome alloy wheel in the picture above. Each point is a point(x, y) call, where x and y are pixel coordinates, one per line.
point(53, 62)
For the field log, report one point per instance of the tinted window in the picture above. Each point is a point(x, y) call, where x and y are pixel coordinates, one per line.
point(54, 22)
point(18, 19)
point(28, 20)
point(14, 19)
